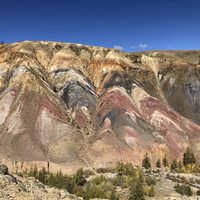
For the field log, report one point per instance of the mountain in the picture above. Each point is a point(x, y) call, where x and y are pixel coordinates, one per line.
point(66, 106)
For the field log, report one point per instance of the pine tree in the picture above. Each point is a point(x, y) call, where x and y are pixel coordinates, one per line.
point(165, 161)
point(137, 192)
point(174, 165)
point(151, 191)
point(188, 157)
point(78, 177)
point(121, 169)
point(158, 164)
point(146, 162)
point(113, 196)
point(30, 172)
point(35, 171)
point(180, 165)
point(189, 191)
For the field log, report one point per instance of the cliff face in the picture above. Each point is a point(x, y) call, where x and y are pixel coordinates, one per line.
point(66, 106)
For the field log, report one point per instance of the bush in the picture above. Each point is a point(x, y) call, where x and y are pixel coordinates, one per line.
point(102, 190)
point(119, 181)
point(99, 179)
point(183, 189)
point(88, 173)
point(184, 179)
point(101, 170)
point(150, 180)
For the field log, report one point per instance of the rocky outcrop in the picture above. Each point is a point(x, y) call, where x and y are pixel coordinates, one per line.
point(66, 106)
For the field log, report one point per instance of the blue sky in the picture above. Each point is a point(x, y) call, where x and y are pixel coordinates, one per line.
point(128, 25)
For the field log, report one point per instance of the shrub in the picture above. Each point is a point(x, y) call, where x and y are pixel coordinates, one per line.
point(198, 181)
point(183, 189)
point(148, 171)
point(119, 181)
point(150, 180)
point(99, 179)
point(103, 170)
point(184, 179)
point(88, 173)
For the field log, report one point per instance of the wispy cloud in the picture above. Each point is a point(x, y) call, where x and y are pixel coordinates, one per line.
point(118, 47)
point(133, 47)
point(143, 46)
point(170, 46)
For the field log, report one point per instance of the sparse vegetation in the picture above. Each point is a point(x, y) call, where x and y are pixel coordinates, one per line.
point(183, 189)
point(99, 187)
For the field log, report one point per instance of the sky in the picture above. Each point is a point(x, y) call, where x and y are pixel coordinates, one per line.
point(127, 25)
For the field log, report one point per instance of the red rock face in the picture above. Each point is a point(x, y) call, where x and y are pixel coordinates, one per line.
point(79, 106)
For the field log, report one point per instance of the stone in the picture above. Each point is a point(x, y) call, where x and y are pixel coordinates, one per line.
point(3, 169)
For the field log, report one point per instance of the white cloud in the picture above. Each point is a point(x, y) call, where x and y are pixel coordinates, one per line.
point(170, 46)
point(143, 46)
point(133, 47)
point(118, 47)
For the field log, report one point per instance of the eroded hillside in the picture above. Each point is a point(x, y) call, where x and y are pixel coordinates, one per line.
point(66, 106)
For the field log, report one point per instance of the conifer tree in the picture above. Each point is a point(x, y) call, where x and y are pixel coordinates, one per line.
point(188, 157)
point(165, 161)
point(158, 164)
point(113, 196)
point(180, 165)
point(78, 177)
point(175, 164)
point(151, 191)
point(120, 169)
point(146, 162)
point(35, 171)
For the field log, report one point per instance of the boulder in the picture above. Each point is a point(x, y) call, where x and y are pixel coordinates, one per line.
point(3, 169)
